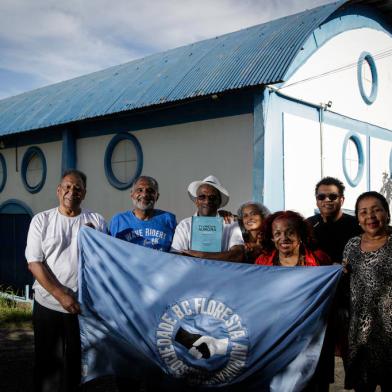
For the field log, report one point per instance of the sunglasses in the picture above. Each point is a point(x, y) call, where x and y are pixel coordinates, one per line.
point(330, 196)
point(209, 197)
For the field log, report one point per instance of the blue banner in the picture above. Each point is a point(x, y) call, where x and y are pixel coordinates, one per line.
point(202, 322)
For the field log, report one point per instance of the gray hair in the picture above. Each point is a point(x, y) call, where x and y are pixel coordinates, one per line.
point(152, 182)
point(263, 210)
point(76, 173)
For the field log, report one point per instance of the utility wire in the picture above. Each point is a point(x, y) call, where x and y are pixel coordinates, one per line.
point(377, 56)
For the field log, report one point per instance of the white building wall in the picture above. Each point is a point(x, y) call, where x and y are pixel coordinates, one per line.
point(380, 151)
point(301, 164)
point(177, 155)
point(334, 67)
point(14, 189)
point(330, 75)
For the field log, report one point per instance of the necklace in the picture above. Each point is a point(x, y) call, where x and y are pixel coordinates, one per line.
point(300, 261)
point(375, 238)
point(371, 244)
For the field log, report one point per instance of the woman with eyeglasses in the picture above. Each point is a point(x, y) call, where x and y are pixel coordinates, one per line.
point(368, 260)
point(251, 216)
point(287, 241)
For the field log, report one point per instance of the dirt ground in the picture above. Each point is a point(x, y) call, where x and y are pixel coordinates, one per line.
point(16, 354)
point(16, 365)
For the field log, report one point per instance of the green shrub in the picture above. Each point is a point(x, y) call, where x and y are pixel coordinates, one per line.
point(13, 312)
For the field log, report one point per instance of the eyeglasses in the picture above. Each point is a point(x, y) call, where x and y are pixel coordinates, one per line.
point(209, 197)
point(330, 196)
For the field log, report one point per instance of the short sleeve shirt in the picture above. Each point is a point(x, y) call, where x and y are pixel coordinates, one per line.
point(182, 237)
point(52, 239)
point(156, 232)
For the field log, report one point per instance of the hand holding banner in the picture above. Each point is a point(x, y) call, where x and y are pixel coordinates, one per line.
point(144, 310)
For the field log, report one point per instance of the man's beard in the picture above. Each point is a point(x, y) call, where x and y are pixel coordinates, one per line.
point(143, 205)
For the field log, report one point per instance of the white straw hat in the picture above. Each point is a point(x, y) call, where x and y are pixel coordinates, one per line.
point(212, 181)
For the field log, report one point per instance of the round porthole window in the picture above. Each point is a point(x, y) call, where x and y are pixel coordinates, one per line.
point(3, 172)
point(33, 169)
point(123, 160)
point(353, 159)
point(367, 78)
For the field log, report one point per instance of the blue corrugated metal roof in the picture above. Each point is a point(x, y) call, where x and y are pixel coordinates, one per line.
point(254, 56)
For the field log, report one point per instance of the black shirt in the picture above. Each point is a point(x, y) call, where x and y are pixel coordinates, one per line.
point(333, 236)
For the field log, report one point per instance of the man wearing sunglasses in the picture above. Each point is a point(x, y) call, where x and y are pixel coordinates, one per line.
point(332, 229)
point(208, 195)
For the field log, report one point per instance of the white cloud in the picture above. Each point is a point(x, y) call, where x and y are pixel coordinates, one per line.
point(53, 41)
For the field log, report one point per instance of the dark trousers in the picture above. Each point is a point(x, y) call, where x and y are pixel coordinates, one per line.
point(128, 384)
point(386, 386)
point(57, 350)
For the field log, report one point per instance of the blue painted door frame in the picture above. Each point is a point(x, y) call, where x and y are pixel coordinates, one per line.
point(271, 166)
point(15, 219)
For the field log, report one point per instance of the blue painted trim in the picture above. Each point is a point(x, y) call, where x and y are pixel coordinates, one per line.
point(279, 103)
point(369, 165)
point(273, 151)
point(361, 158)
point(3, 180)
point(390, 163)
point(232, 103)
point(366, 56)
point(14, 206)
point(108, 160)
point(361, 127)
point(301, 108)
point(283, 161)
point(258, 145)
point(321, 131)
point(68, 151)
point(287, 98)
point(30, 152)
point(34, 137)
point(350, 18)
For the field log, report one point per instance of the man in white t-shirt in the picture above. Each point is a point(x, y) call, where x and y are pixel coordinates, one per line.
point(209, 195)
point(52, 256)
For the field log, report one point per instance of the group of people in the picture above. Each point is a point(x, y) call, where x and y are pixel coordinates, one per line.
point(360, 322)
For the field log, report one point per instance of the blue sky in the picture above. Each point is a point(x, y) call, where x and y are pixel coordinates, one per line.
point(47, 41)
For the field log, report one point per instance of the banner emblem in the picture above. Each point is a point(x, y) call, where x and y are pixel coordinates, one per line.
point(203, 341)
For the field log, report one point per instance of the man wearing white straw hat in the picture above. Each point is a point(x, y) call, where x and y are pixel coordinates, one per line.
point(209, 195)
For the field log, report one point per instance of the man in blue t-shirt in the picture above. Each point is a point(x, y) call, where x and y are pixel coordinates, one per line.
point(145, 225)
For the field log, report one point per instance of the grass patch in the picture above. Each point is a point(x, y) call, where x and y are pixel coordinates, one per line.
point(14, 313)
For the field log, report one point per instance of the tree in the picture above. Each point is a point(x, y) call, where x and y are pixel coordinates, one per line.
point(386, 188)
